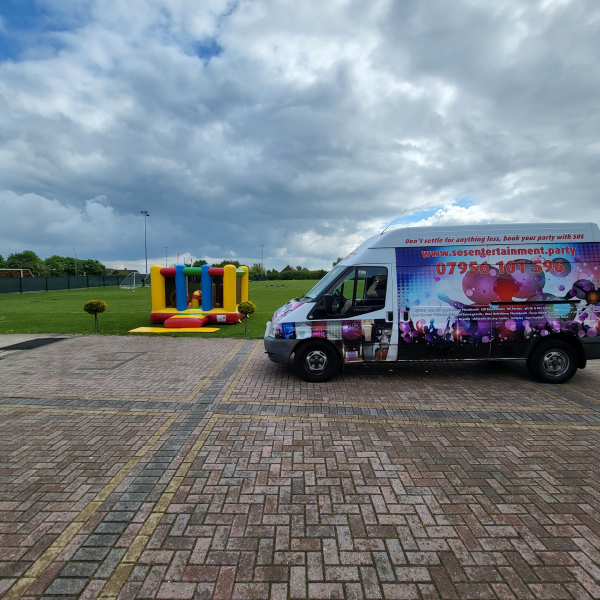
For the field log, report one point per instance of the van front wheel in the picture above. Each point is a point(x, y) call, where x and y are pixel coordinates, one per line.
point(552, 362)
point(317, 361)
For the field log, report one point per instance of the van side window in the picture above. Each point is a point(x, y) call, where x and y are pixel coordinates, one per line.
point(362, 290)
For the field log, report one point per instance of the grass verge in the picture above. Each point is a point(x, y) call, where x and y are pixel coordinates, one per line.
point(62, 311)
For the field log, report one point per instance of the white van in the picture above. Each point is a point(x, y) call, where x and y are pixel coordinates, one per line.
point(470, 292)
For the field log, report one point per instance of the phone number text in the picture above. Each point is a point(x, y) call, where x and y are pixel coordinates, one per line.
point(512, 266)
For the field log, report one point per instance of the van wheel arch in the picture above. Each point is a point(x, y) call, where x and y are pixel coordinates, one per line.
point(555, 359)
point(317, 360)
point(573, 341)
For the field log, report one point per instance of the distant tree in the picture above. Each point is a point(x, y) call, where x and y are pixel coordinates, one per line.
point(287, 275)
point(58, 266)
point(91, 267)
point(26, 260)
point(256, 270)
point(63, 266)
point(298, 273)
point(2, 262)
point(227, 262)
point(199, 263)
point(335, 262)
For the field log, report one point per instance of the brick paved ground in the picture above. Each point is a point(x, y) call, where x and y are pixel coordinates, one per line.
point(184, 468)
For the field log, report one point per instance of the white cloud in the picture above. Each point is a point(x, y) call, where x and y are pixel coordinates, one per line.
point(453, 214)
point(55, 228)
point(301, 126)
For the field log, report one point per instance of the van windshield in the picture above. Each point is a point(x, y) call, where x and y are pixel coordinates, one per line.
point(324, 283)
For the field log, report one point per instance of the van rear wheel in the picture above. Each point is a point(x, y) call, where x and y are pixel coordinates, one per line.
point(553, 362)
point(317, 361)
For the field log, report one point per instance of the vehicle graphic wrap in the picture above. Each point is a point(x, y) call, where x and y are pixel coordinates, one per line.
point(497, 292)
point(286, 309)
point(357, 340)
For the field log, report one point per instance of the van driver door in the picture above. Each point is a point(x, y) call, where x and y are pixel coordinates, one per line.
point(357, 313)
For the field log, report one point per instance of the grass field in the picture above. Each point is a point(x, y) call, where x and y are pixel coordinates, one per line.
point(62, 311)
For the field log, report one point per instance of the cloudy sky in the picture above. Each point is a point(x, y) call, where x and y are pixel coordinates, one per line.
point(289, 130)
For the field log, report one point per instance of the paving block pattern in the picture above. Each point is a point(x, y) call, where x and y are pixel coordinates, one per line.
point(160, 369)
point(447, 480)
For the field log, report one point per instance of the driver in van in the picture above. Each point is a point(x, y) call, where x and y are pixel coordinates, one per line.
point(377, 288)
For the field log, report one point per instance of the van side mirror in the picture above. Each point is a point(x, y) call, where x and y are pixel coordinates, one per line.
point(328, 304)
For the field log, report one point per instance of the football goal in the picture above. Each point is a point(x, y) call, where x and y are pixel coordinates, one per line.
point(135, 280)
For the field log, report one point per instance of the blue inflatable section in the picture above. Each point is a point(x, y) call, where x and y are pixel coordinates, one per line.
point(206, 283)
point(181, 302)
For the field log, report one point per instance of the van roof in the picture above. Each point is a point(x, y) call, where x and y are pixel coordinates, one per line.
point(469, 235)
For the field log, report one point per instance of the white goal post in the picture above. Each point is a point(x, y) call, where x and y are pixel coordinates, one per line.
point(135, 280)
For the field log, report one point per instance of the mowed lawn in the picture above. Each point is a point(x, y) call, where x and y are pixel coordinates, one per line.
point(62, 311)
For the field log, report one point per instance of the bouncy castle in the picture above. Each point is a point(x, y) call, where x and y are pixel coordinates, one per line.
point(189, 297)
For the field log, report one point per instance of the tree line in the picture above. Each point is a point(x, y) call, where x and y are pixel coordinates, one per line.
point(54, 266)
point(298, 273)
point(257, 270)
point(63, 266)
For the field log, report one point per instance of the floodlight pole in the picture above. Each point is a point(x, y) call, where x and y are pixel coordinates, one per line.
point(165, 247)
point(146, 214)
point(75, 254)
point(262, 264)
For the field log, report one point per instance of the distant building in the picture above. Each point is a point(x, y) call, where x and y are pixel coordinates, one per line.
point(288, 269)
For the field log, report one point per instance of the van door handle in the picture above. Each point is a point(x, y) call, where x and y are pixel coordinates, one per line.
point(405, 315)
point(390, 316)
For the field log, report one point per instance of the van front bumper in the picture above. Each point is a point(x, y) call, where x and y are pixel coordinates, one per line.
point(278, 350)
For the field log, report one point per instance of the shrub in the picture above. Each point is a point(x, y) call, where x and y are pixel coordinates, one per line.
point(246, 308)
point(94, 307)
